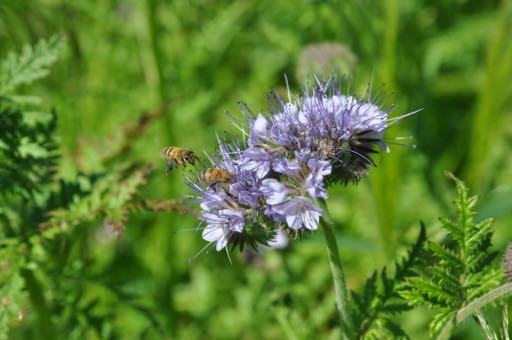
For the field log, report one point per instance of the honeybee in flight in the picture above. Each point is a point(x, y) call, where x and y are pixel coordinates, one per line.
point(212, 176)
point(177, 156)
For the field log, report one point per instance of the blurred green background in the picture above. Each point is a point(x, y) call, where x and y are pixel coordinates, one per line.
point(451, 58)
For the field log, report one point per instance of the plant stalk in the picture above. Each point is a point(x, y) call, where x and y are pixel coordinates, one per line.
point(482, 301)
point(474, 307)
point(338, 276)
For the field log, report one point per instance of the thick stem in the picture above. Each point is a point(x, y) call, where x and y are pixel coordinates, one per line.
point(340, 286)
point(474, 307)
point(482, 301)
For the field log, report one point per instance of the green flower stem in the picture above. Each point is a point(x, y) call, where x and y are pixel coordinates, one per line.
point(472, 308)
point(340, 286)
point(482, 301)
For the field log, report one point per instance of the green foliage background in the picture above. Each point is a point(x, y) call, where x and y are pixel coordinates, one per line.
point(453, 59)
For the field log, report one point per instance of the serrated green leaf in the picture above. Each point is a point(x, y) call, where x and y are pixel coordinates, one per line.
point(447, 280)
point(396, 308)
point(31, 64)
point(453, 228)
point(396, 331)
point(441, 318)
point(447, 256)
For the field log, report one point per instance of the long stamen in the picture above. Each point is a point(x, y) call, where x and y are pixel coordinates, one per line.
point(188, 229)
point(229, 256)
point(193, 258)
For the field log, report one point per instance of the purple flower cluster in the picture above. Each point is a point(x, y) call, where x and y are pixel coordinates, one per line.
point(282, 169)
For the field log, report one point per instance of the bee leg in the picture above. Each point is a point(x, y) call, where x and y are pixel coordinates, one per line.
point(169, 166)
point(225, 186)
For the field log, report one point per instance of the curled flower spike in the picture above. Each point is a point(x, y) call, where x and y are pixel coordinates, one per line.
point(289, 157)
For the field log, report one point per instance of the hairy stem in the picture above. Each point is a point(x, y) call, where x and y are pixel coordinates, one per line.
point(474, 307)
point(505, 322)
point(486, 328)
point(482, 301)
point(340, 286)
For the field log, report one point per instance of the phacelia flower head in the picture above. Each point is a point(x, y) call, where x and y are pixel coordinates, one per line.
point(288, 158)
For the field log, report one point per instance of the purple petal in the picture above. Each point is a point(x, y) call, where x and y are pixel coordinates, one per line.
point(274, 191)
point(254, 159)
point(286, 166)
point(300, 212)
point(259, 130)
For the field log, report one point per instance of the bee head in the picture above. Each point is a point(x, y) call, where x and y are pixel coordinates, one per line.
point(190, 157)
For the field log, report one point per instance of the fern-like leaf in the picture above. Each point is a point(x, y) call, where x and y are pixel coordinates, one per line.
point(463, 267)
point(375, 307)
point(28, 152)
point(31, 64)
